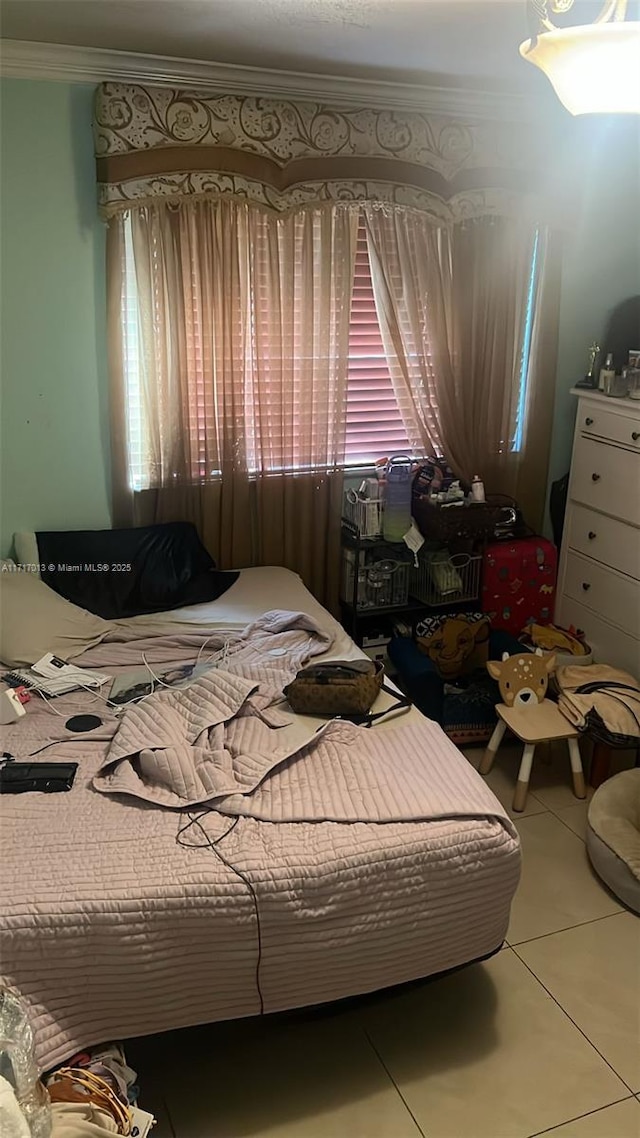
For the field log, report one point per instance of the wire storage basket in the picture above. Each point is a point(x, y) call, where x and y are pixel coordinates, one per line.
point(466, 524)
point(442, 577)
point(363, 514)
point(383, 582)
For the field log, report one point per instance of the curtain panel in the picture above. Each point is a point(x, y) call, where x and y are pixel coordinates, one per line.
point(241, 368)
point(233, 219)
point(473, 383)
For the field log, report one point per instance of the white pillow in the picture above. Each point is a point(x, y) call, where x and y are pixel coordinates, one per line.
point(26, 547)
point(35, 620)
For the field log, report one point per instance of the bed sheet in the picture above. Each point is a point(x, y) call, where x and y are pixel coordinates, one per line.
point(255, 592)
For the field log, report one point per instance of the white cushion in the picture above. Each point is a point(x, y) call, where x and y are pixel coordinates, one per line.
point(613, 835)
point(35, 620)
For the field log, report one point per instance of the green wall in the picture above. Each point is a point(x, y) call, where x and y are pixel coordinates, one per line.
point(601, 261)
point(53, 393)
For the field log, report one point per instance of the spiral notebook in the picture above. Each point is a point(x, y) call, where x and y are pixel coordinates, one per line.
point(53, 676)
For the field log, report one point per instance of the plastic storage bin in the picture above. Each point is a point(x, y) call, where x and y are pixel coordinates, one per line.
point(18, 1066)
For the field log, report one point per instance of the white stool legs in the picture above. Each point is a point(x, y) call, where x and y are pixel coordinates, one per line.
point(577, 774)
point(541, 723)
point(524, 774)
point(486, 761)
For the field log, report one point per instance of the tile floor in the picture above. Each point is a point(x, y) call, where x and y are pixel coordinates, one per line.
point(544, 1038)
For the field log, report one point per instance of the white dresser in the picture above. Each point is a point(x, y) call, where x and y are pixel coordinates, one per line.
point(599, 577)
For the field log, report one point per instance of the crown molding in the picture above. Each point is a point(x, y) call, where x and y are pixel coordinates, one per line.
point(24, 59)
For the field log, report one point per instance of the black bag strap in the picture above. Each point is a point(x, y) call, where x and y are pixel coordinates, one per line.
point(606, 686)
point(368, 718)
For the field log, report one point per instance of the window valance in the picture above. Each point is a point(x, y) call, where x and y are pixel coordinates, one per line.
point(156, 144)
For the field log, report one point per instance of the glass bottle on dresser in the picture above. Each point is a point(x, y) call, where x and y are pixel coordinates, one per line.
point(607, 374)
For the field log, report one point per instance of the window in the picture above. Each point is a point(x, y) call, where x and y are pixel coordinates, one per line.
point(525, 360)
point(374, 424)
point(136, 434)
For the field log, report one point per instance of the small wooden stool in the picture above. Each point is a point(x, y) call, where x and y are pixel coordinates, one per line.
point(537, 723)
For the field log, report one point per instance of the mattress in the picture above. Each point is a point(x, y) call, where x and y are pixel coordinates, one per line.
point(118, 917)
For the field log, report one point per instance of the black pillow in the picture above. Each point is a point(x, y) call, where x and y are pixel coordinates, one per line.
point(128, 572)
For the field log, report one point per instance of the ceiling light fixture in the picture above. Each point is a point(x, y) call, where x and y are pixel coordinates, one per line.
point(594, 68)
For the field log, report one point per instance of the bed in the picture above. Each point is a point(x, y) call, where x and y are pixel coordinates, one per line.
point(359, 860)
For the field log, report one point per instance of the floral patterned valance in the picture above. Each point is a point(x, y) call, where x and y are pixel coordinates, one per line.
point(163, 144)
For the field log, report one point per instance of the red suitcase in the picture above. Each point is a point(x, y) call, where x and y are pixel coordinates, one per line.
point(519, 582)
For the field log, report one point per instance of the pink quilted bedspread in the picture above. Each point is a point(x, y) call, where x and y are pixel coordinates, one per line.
point(374, 856)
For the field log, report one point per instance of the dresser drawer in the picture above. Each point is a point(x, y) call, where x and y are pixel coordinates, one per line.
point(606, 478)
point(609, 425)
point(615, 598)
point(610, 645)
point(605, 539)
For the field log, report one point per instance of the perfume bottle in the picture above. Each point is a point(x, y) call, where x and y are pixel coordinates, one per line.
point(607, 374)
point(633, 382)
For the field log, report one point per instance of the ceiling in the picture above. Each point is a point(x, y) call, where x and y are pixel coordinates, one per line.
point(472, 43)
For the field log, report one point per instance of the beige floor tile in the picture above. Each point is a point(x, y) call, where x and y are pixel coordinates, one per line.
point(558, 887)
point(593, 971)
point(502, 778)
point(314, 1078)
point(622, 1120)
point(550, 786)
point(551, 776)
point(486, 1053)
point(575, 817)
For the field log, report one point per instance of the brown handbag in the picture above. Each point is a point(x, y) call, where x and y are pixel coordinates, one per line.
point(343, 689)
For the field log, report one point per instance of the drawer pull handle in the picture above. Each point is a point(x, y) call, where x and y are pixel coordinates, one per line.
point(635, 435)
point(595, 477)
point(592, 535)
point(588, 422)
point(586, 586)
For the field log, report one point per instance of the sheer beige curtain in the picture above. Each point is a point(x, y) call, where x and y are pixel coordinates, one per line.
point(452, 303)
point(229, 333)
point(301, 270)
point(504, 368)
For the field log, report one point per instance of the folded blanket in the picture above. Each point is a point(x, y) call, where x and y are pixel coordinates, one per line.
point(603, 699)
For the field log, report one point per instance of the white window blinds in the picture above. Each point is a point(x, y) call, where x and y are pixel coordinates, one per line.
point(374, 424)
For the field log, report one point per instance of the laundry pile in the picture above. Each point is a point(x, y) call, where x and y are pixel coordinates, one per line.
point(601, 700)
point(92, 1094)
